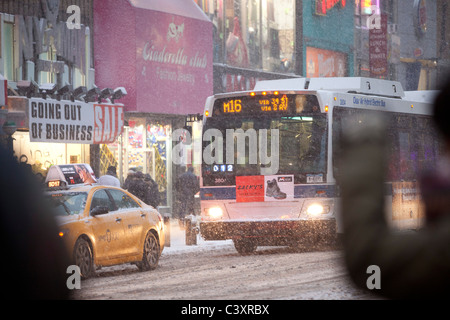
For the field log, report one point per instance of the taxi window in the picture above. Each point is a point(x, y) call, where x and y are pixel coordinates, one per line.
point(67, 203)
point(101, 199)
point(122, 200)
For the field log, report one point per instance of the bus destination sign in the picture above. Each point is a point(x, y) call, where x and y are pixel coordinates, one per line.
point(263, 104)
point(260, 104)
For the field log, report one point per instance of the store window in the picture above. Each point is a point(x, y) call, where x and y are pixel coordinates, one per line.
point(255, 34)
point(7, 46)
point(144, 148)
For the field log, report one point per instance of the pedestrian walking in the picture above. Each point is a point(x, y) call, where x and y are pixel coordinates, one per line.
point(138, 187)
point(130, 176)
point(187, 187)
point(153, 197)
point(110, 178)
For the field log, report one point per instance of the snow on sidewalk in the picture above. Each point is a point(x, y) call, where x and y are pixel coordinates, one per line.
point(178, 241)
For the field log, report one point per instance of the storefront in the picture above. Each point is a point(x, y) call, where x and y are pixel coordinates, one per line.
point(163, 57)
point(253, 40)
point(42, 53)
point(417, 69)
point(328, 38)
point(51, 132)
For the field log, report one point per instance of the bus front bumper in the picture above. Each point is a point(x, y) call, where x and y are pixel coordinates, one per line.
point(271, 229)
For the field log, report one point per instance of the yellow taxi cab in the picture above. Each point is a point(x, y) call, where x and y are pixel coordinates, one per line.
point(103, 225)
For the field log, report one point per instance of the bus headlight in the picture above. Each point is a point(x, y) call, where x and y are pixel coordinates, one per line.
point(215, 212)
point(316, 209)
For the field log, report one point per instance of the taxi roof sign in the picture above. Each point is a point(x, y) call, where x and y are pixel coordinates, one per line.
point(71, 174)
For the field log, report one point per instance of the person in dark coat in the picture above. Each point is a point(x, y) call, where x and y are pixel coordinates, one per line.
point(128, 179)
point(187, 187)
point(138, 187)
point(153, 197)
point(34, 257)
point(410, 264)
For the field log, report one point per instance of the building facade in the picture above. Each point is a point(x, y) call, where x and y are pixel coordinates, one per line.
point(44, 43)
point(161, 52)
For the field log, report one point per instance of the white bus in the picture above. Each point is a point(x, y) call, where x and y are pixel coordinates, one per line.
point(268, 171)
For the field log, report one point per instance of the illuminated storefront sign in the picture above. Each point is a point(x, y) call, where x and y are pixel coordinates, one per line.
point(378, 54)
point(323, 6)
point(74, 122)
point(325, 63)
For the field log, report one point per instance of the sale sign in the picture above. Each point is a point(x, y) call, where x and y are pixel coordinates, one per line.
point(74, 122)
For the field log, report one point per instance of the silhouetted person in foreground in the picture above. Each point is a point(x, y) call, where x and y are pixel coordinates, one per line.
point(411, 264)
point(34, 258)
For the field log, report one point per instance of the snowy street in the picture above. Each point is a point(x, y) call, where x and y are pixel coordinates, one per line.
point(214, 270)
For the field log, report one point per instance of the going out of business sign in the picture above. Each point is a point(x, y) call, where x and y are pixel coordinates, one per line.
point(74, 122)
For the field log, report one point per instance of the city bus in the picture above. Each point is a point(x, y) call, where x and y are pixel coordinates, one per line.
point(269, 162)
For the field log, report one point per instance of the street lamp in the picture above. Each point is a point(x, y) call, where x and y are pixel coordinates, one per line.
point(47, 89)
point(9, 127)
point(64, 92)
point(92, 95)
point(105, 94)
point(119, 92)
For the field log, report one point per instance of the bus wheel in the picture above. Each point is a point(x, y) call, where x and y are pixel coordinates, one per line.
point(244, 246)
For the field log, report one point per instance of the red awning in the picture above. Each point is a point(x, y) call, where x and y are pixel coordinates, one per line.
point(185, 8)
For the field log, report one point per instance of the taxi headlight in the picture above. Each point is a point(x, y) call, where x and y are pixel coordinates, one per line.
point(215, 212)
point(316, 209)
point(63, 233)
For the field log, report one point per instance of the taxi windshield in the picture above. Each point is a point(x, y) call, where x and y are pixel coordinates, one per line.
point(68, 203)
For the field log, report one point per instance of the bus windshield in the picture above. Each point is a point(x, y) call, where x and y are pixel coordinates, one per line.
point(301, 139)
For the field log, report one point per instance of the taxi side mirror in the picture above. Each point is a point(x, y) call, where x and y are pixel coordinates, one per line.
point(99, 210)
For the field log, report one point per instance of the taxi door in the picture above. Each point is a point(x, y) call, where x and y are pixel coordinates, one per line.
point(107, 227)
point(134, 220)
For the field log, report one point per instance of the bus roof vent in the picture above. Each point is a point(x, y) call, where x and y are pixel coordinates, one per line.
point(361, 85)
point(294, 84)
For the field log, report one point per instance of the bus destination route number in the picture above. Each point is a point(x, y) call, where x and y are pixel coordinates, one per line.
point(267, 104)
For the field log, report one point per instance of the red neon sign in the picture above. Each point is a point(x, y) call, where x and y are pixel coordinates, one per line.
point(323, 6)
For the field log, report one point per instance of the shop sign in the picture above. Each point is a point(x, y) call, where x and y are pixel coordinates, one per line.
point(174, 63)
point(325, 63)
point(323, 6)
point(74, 122)
point(378, 53)
point(37, 35)
point(264, 188)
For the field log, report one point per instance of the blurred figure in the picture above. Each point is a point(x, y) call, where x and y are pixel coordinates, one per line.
point(187, 186)
point(128, 179)
point(110, 178)
point(34, 256)
point(139, 187)
point(153, 197)
point(411, 265)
